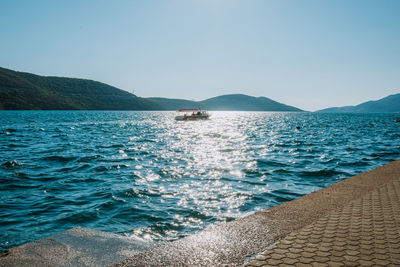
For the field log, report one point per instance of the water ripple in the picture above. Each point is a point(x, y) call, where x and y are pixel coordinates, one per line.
point(144, 175)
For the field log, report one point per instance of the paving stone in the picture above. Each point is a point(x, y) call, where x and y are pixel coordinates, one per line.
point(366, 263)
point(261, 258)
point(321, 259)
point(295, 250)
point(352, 248)
point(336, 259)
point(293, 255)
point(367, 257)
point(341, 239)
point(351, 264)
point(322, 253)
point(277, 256)
point(297, 245)
point(350, 258)
point(354, 242)
point(300, 264)
point(380, 241)
point(280, 251)
point(335, 264)
point(283, 246)
point(343, 235)
point(310, 249)
point(274, 262)
point(301, 241)
point(306, 260)
point(338, 250)
point(290, 261)
point(286, 242)
point(365, 251)
point(307, 254)
point(381, 256)
point(366, 232)
point(379, 262)
point(257, 263)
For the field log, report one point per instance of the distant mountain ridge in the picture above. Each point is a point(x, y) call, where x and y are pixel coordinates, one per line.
point(26, 91)
point(387, 104)
point(246, 103)
point(238, 102)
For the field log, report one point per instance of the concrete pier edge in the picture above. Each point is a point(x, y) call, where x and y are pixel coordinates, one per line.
point(234, 243)
point(75, 247)
point(229, 244)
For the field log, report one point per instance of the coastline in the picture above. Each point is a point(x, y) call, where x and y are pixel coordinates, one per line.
point(235, 242)
point(229, 244)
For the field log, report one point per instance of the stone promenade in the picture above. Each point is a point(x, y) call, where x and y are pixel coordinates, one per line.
point(366, 232)
point(355, 222)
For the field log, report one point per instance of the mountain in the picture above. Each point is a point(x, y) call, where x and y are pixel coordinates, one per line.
point(20, 90)
point(244, 102)
point(26, 91)
point(237, 102)
point(388, 104)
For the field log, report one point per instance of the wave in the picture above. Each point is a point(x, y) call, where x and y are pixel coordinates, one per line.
point(287, 192)
point(89, 158)
point(21, 185)
point(78, 217)
point(111, 146)
point(270, 163)
point(384, 154)
point(327, 173)
point(354, 164)
point(103, 168)
point(280, 196)
point(60, 159)
point(17, 145)
point(83, 180)
point(175, 179)
point(282, 172)
point(82, 167)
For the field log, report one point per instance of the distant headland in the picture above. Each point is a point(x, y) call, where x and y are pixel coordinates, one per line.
point(387, 104)
point(27, 91)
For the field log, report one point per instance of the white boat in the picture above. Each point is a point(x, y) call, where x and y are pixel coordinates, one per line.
point(192, 115)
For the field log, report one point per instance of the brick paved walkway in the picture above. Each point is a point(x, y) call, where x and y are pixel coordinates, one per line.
point(366, 232)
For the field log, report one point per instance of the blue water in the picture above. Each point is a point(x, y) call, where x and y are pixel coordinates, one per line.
point(143, 175)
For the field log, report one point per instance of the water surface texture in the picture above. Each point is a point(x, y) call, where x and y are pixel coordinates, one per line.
point(144, 175)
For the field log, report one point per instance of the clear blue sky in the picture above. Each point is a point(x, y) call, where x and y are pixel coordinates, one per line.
point(309, 54)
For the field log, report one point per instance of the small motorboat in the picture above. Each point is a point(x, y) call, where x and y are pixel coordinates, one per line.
point(192, 115)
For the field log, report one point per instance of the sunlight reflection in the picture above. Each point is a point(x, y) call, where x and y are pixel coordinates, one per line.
point(207, 167)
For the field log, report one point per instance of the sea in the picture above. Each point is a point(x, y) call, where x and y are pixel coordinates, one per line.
point(146, 176)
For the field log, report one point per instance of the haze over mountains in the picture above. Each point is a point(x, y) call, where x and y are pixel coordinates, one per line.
point(26, 91)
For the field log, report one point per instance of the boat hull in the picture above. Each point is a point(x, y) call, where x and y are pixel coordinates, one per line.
point(191, 118)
